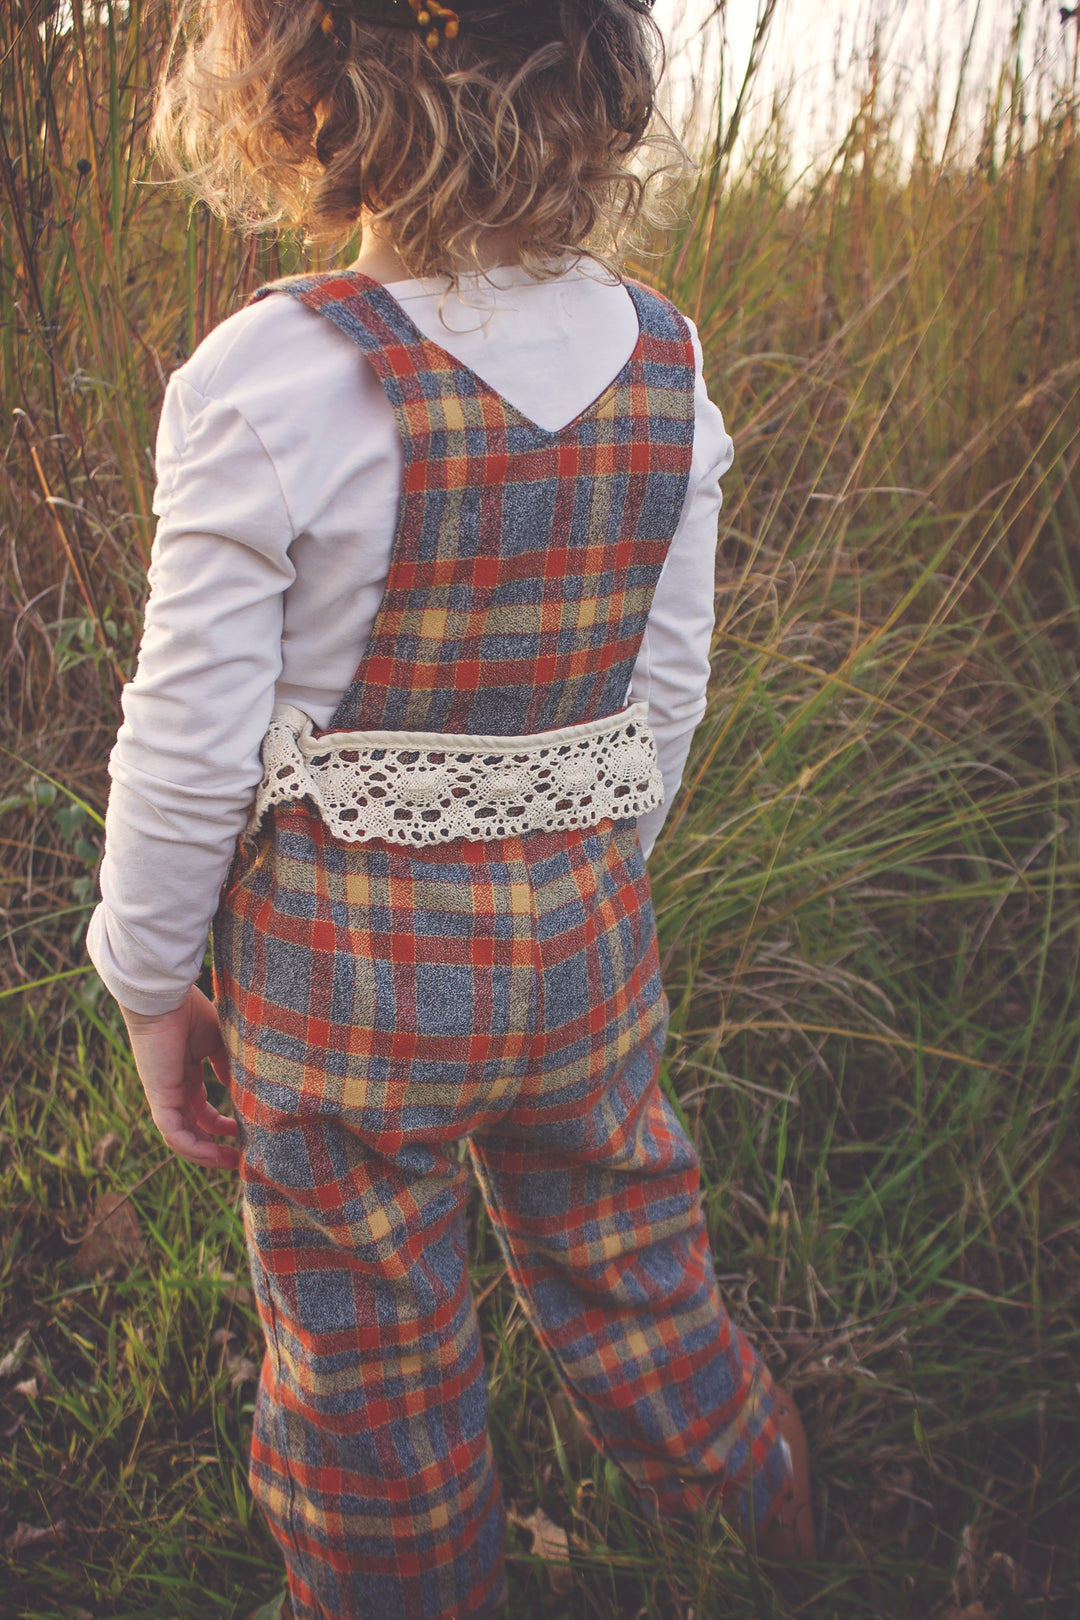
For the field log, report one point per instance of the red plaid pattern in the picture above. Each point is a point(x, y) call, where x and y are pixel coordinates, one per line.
point(525, 561)
point(382, 1003)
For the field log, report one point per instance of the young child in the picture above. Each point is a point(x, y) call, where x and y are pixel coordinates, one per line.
point(426, 643)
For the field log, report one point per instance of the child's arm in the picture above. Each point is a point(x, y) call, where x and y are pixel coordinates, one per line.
point(187, 757)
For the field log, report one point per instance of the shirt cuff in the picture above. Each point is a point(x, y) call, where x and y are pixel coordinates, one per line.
point(151, 1003)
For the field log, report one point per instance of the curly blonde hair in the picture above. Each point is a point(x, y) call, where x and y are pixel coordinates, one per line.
point(292, 112)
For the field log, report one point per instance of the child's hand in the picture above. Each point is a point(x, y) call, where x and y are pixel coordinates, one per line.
point(169, 1051)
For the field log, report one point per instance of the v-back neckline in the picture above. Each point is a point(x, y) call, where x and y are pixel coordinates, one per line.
point(369, 284)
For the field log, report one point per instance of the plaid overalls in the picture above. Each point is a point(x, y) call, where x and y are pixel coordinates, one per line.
point(382, 1003)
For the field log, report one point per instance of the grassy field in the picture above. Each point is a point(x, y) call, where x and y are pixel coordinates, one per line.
point(867, 891)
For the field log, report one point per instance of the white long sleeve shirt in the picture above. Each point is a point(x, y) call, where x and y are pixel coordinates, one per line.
point(279, 473)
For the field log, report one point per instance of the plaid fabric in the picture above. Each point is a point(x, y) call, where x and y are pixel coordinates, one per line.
point(525, 561)
point(382, 1003)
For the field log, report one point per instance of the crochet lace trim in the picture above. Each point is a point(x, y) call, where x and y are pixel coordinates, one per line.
point(423, 787)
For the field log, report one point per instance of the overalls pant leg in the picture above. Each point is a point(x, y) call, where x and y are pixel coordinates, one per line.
point(370, 1455)
point(601, 1223)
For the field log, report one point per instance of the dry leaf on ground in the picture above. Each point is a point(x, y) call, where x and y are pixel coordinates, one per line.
point(113, 1236)
point(236, 1293)
point(13, 1360)
point(549, 1543)
point(1020, 1582)
point(243, 1372)
point(103, 1147)
point(26, 1539)
point(241, 1368)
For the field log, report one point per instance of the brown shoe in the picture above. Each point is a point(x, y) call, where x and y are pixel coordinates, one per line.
point(788, 1536)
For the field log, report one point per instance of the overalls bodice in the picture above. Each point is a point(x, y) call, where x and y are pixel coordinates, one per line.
point(524, 561)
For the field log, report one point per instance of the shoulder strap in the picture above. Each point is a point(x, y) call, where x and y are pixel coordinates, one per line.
point(366, 313)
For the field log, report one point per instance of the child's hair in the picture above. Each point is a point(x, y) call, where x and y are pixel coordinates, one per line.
point(292, 111)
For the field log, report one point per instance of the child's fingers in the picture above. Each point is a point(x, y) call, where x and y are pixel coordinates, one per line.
point(204, 1023)
point(205, 1039)
point(210, 1120)
point(219, 1062)
point(189, 1143)
point(199, 1150)
point(197, 1112)
point(187, 1119)
point(186, 1139)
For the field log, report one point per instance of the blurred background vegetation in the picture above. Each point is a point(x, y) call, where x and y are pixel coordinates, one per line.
point(867, 891)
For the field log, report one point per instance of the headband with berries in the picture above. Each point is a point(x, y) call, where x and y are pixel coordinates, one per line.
point(428, 15)
point(431, 16)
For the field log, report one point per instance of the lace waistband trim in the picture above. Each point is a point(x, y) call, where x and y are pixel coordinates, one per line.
point(425, 787)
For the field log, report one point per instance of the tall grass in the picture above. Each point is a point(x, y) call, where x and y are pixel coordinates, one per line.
point(867, 892)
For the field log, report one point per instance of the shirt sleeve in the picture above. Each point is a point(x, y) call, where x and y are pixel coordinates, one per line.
point(672, 669)
point(186, 760)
